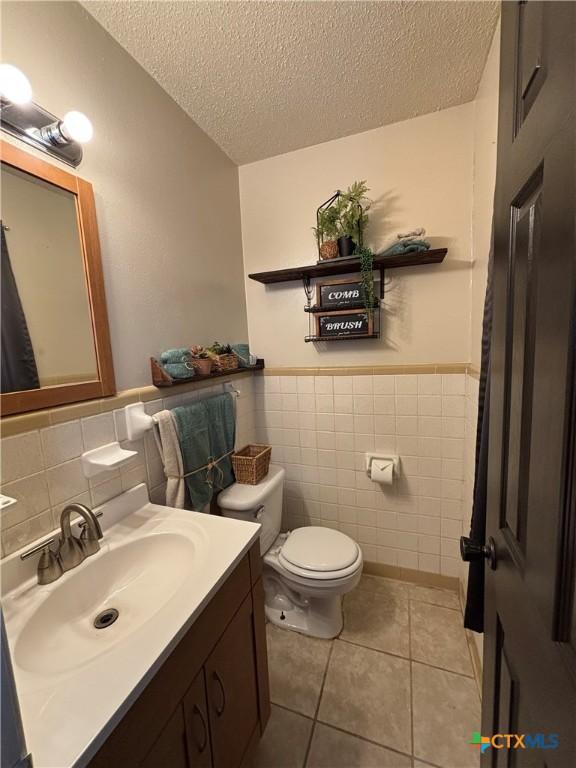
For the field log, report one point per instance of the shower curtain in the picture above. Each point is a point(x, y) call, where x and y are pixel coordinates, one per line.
point(19, 370)
point(474, 613)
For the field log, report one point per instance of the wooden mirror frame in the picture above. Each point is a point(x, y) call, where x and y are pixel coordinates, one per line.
point(104, 385)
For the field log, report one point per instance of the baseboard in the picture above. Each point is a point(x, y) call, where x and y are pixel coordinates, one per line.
point(410, 574)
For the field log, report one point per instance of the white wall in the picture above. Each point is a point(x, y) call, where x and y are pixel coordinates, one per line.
point(166, 195)
point(420, 174)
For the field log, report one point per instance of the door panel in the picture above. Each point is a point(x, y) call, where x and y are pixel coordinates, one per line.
point(170, 748)
point(530, 60)
point(231, 687)
point(197, 726)
point(529, 663)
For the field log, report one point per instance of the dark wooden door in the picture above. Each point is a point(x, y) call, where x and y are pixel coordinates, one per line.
point(170, 749)
point(197, 727)
point(530, 640)
point(231, 688)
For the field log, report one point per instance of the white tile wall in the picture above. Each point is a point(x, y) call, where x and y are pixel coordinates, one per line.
point(42, 469)
point(333, 421)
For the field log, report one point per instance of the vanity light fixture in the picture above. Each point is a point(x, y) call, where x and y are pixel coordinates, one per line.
point(14, 85)
point(22, 118)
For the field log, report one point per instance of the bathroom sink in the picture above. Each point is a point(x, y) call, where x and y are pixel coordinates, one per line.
point(158, 567)
point(136, 579)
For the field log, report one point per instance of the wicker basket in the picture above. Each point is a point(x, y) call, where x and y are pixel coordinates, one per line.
point(225, 362)
point(251, 463)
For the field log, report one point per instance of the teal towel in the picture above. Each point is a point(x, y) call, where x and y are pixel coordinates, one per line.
point(406, 246)
point(175, 355)
point(179, 370)
point(206, 431)
point(243, 353)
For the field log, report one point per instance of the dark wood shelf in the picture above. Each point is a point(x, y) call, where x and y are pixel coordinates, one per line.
point(342, 338)
point(351, 308)
point(160, 378)
point(348, 266)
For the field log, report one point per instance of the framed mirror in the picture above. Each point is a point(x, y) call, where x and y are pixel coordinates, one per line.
point(55, 336)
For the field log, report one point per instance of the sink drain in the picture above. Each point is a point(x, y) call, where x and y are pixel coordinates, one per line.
point(106, 618)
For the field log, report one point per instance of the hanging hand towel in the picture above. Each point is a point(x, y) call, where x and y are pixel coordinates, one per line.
point(169, 447)
point(206, 430)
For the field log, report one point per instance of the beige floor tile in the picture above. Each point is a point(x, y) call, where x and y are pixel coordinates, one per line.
point(386, 586)
point(437, 637)
point(419, 764)
point(368, 693)
point(376, 620)
point(297, 664)
point(285, 740)
point(333, 749)
point(434, 596)
point(446, 713)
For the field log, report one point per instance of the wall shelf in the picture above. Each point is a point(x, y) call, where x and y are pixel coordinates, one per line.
point(160, 377)
point(349, 266)
point(342, 338)
point(351, 308)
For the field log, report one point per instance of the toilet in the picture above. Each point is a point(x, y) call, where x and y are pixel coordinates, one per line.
point(307, 570)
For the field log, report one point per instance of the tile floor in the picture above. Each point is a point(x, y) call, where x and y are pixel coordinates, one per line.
point(395, 690)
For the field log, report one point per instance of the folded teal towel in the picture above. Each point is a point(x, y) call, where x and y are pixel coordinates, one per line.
point(242, 351)
point(179, 370)
point(406, 246)
point(175, 355)
point(206, 431)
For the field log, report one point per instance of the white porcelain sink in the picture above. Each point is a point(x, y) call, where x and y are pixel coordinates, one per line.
point(158, 567)
point(137, 579)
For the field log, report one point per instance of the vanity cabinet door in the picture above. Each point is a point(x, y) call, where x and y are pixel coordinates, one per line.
point(197, 726)
point(231, 688)
point(170, 749)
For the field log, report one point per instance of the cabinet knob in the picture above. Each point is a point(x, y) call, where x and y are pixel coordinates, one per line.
point(219, 709)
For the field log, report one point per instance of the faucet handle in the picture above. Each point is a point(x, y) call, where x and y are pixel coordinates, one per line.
point(49, 567)
point(89, 540)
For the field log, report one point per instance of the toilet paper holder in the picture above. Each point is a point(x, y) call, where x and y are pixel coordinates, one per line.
point(392, 459)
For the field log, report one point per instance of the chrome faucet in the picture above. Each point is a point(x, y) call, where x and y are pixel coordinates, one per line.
point(71, 550)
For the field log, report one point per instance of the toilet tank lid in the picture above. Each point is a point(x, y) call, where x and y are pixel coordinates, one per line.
point(241, 497)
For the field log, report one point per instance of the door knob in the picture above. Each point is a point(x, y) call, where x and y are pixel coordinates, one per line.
point(471, 550)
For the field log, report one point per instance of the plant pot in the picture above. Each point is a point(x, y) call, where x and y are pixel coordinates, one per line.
point(204, 367)
point(346, 246)
point(329, 250)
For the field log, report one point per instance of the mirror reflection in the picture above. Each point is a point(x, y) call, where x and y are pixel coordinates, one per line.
point(47, 337)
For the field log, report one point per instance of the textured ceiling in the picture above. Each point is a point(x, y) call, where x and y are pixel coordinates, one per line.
point(263, 78)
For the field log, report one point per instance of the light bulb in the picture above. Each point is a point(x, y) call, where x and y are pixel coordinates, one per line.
point(14, 85)
point(77, 127)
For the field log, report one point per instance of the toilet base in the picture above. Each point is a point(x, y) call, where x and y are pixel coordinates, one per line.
point(317, 617)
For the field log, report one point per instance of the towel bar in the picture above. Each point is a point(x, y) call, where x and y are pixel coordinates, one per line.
point(138, 422)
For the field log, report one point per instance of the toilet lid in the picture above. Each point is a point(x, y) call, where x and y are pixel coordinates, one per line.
point(319, 549)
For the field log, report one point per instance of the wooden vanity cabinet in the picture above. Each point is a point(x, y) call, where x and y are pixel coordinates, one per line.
point(209, 703)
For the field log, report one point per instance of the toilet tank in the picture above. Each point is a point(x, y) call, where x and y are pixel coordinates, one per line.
point(262, 502)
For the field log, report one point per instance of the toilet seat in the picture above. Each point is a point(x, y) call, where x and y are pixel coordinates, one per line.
point(319, 554)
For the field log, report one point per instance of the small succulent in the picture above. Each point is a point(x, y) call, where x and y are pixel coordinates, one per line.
point(199, 353)
point(220, 349)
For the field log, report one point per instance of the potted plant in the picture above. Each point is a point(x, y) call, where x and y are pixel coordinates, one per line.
point(352, 207)
point(223, 356)
point(326, 232)
point(201, 361)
